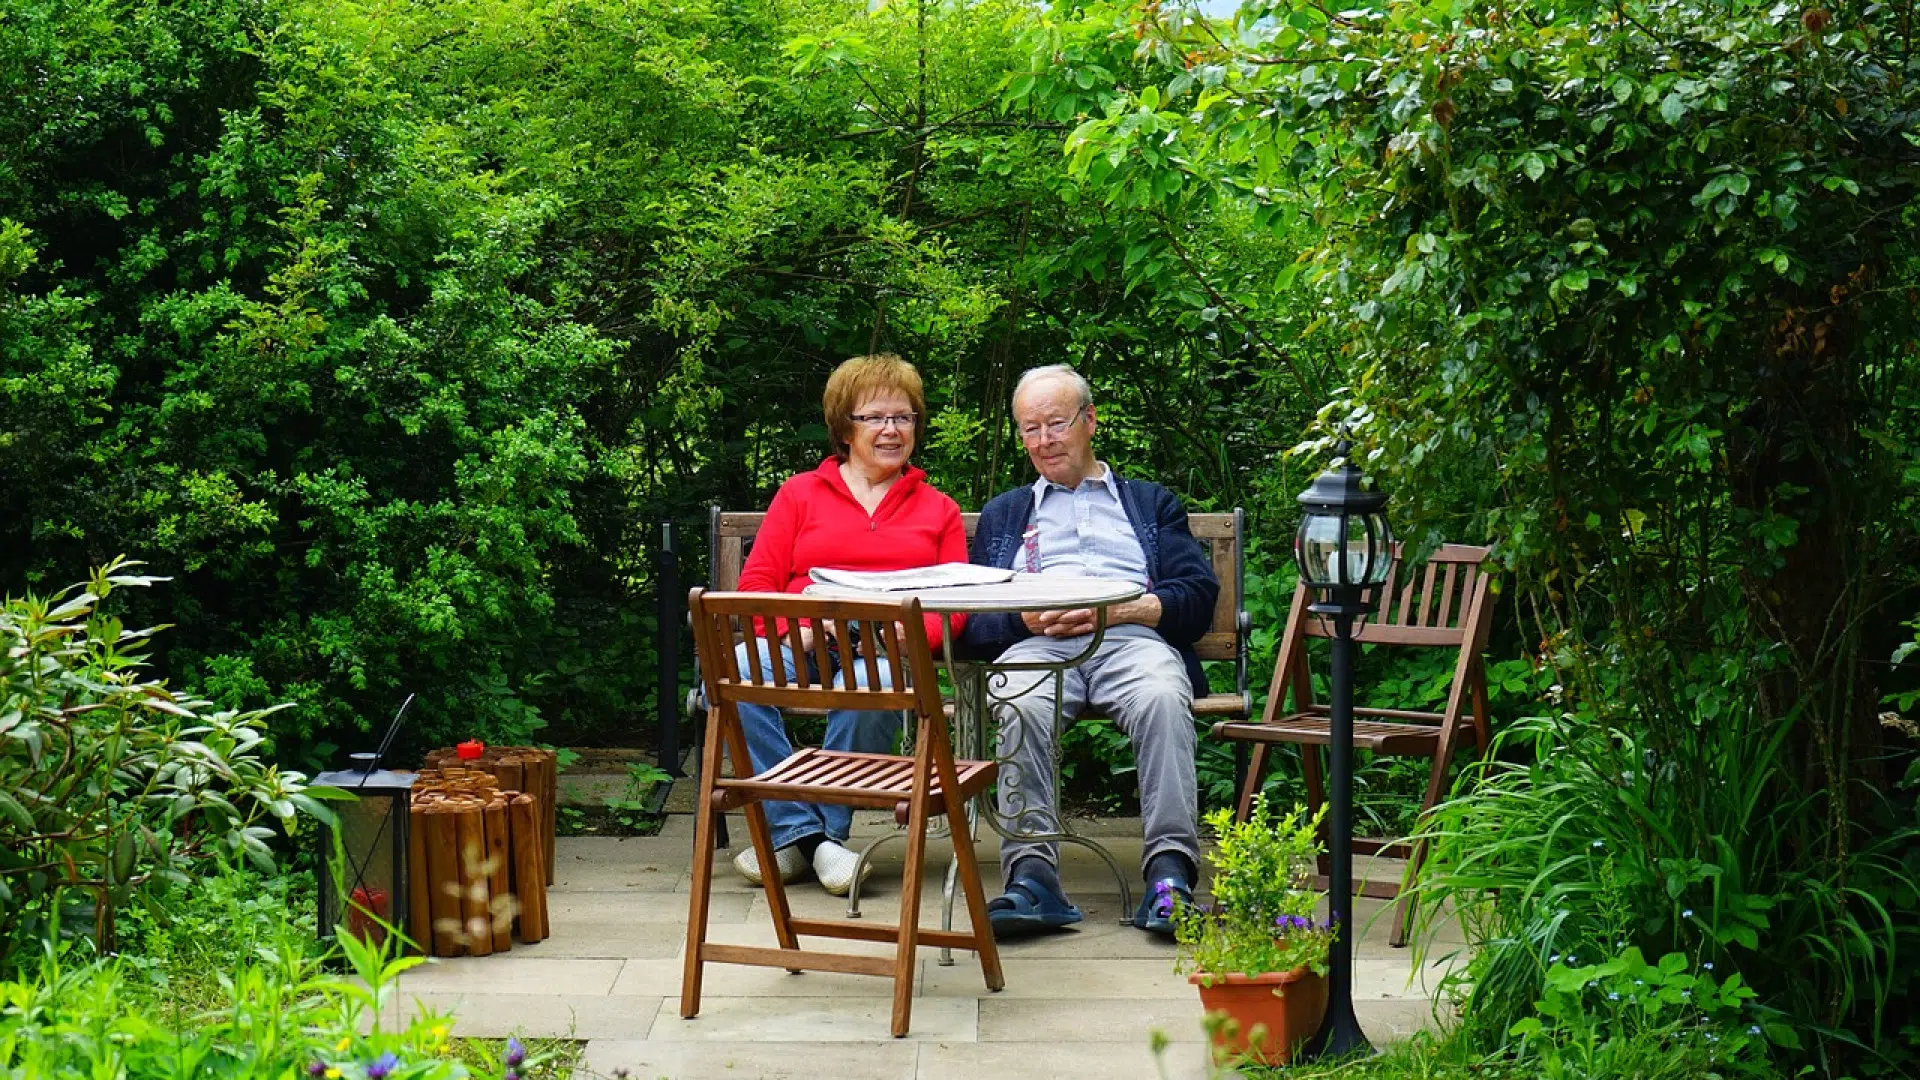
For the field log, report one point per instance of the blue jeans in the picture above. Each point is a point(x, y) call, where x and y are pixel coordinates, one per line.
point(859, 731)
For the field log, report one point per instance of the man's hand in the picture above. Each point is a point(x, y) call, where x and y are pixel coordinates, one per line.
point(1073, 623)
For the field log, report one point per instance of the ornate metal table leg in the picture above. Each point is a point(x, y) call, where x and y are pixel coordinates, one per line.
point(974, 708)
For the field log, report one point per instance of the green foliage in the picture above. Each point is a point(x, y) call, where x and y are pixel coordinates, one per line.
point(281, 331)
point(1627, 287)
point(631, 813)
point(1627, 1017)
point(1262, 917)
point(175, 948)
point(391, 347)
point(279, 1014)
point(111, 785)
point(1591, 842)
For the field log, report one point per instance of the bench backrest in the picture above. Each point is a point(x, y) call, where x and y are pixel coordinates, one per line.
point(1222, 535)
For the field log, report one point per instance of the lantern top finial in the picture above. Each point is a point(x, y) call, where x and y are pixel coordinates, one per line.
point(1342, 487)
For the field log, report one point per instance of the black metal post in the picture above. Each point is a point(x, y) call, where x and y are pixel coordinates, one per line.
point(668, 611)
point(1340, 1033)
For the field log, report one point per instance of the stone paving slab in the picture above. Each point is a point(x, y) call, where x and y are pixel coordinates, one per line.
point(587, 912)
point(612, 938)
point(513, 974)
point(1106, 1020)
point(815, 1019)
point(1037, 979)
point(622, 864)
point(1057, 1060)
point(544, 1016)
point(889, 1060)
point(662, 978)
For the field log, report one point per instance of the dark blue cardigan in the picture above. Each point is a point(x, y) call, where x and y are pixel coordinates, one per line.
point(1177, 569)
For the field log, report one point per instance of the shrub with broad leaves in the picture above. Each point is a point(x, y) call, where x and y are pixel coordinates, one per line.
point(110, 783)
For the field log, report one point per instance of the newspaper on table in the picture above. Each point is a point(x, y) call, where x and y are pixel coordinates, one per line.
point(938, 576)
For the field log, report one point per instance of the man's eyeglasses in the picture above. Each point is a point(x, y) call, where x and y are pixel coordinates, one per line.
point(1054, 429)
point(879, 423)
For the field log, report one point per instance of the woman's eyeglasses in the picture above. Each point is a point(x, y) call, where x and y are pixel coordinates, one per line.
point(878, 422)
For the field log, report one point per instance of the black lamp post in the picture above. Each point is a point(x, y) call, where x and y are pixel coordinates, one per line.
point(1344, 549)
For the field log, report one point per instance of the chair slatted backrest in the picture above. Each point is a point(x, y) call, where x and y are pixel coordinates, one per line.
point(765, 621)
point(1431, 604)
point(1441, 603)
point(1223, 535)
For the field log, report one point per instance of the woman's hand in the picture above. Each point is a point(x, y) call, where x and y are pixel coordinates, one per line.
point(829, 627)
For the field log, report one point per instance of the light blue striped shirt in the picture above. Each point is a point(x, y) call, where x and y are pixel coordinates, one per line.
point(1082, 531)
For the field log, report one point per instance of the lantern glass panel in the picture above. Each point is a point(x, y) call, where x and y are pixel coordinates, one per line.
point(1378, 541)
point(370, 892)
point(1337, 549)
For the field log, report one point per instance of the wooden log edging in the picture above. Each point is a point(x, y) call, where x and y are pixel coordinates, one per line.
point(483, 851)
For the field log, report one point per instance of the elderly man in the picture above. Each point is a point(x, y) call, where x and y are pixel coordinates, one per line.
point(1081, 518)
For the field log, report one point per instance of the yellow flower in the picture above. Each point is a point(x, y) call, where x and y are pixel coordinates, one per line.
point(333, 1074)
point(345, 1041)
point(440, 1033)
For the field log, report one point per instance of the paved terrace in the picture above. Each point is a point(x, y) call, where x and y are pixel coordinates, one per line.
point(1076, 1004)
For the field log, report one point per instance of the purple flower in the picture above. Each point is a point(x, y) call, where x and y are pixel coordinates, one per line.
point(383, 1065)
point(511, 1075)
point(516, 1054)
point(317, 1069)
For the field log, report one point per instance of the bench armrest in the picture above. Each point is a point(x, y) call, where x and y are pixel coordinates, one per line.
point(1243, 636)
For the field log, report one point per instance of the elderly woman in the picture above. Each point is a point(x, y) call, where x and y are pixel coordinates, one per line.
point(864, 508)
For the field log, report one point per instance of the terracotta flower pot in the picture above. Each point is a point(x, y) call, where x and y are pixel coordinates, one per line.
point(1267, 1017)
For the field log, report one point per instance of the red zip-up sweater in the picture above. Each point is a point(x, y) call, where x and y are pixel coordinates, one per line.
point(814, 520)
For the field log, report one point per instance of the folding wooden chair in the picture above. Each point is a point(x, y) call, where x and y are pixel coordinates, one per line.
point(1446, 608)
point(915, 788)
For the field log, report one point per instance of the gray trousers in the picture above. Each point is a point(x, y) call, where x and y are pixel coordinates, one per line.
point(1139, 682)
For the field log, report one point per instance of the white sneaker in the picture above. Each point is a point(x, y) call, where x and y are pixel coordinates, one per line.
point(833, 864)
point(791, 864)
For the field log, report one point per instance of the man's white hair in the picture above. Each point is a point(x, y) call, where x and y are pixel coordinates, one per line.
point(1056, 371)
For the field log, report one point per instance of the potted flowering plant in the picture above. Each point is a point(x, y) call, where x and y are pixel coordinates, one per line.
point(1256, 953)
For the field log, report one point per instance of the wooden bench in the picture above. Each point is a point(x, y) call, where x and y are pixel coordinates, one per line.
point(731, 532)
point(731, 536)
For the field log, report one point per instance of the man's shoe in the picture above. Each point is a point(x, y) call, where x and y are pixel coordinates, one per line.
point(788, 860)
point(833, 864)
point(1027, 907)
point(1155, 914)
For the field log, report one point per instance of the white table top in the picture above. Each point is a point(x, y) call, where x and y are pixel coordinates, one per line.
point(1026, 592)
